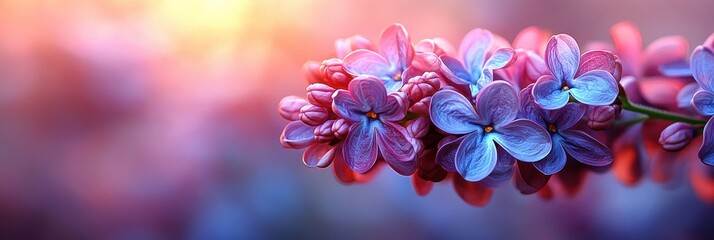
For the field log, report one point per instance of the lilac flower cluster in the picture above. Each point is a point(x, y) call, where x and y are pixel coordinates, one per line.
point(491, 111)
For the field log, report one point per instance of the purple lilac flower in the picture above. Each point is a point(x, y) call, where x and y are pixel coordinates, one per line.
point(562, 56)
point(478, 61)
point(703, 101)
point(495, 122)
point(375, 131)
point(395, 55)
point(560, 122)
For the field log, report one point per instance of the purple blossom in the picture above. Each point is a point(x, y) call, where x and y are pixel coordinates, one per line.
point(298, 135)
point(703, 101)
point(592, 87)
point(375, 131)
point(395, 55)
point(495, 122)
point(677, 136)
point(559, 123)
point(478, 61)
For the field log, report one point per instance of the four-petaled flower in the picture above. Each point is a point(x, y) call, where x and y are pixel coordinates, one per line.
point(395, 55)
point(702, 65)
point(559, 123)
point(495, 122)
point(562, 56)
point(374, 114)
point(479, 60)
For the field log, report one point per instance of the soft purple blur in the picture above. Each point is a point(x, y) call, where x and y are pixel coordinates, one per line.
point(158, 119)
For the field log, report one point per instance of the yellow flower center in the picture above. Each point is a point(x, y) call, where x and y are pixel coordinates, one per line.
point(566, 88)
point(488, 129)
point(552, 128)
point(397, 77)
point(372, 115)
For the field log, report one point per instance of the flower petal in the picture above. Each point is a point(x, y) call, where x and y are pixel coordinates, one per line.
point(528, 179)
point(318, 155)
point(524, 140)
point(703, 102)
point(555, 160)
point(297, 135)
point(447, 153)
point(497, 103)
point(345, 106)
point(661, 92)
point(676, 69)
point(452, 112)
point(703, 67)
point(472, 193)
point(531, 38)
point(503, 170)
point(662, 51)
point(396, 46)
point(568, 116)
point(595, 87)
point(421, 186)
point(476, 157)
point(395, 143)
point(368, 91)
point(628, 45)
point(501, 58)
point(360, 147)
point(366, 62)
point(706, 152)
point(529, 109)
point(585, 148)
point(473, 50)
point(549, 94)
point(562, 55)
point(455, 71)
point(343, 173)
point(600, 59)
point(684, 97)
point(395, 108)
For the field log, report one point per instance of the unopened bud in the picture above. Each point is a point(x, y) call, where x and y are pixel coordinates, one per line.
point(311, 71)
point(289, 107)
point(419, 127)
point(323, 133)
point(320, 94)
point(422, 86)
point(334, 74)
point(313, 115)
point(340, 128)
point(347, 45)
point(602, 117)
point(422, 106)
point(676, 136)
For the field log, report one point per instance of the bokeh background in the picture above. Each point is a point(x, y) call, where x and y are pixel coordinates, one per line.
point(157, 119)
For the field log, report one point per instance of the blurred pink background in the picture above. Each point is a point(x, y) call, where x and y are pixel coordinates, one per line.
point(157, 119)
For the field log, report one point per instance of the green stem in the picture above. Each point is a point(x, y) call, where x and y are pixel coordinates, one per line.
point(659, 114)
point(631, 121)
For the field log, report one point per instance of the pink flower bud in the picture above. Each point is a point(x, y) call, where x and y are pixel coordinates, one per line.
point(422, 86)
point(334, 73)
point(311, 71)
point(676, 136)
point(347, 45)
point(422, 106)
point(289, 107)
point(313, 115)
point(320, 94)
point(323, 133)
point(602, 117)
point(438, 46)
point(340, 128)
point(419, 127)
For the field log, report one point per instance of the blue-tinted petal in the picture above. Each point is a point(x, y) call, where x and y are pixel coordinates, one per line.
point(549, 94)
point(706, 152)
point(451, 112)
point(396, 46)
point(360, 147)
point(297, 135)
point(568, 116)
point(529, 109)
point(346, 107)
point(596, 87)
point(562, 55)
point(501, 58)
point(676, 69)
point(447, 153)
point(369, 92)
point(366, 62)
point(455, 68)
point(395, 143)
point(503, 170)
point(395, 108)
point(318, 155)
point(473, 50)
point(703, 67)
point(524, 140)
point(497, 103)
point(585, 148)
point(555, 160)
point(684, 98)
point(476, 157)
point(703, 102)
